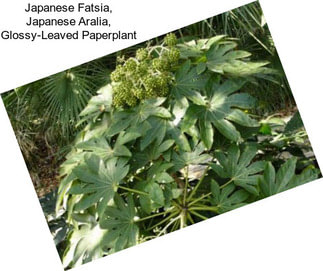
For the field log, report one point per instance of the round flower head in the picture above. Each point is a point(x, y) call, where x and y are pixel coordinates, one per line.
point(170, 39)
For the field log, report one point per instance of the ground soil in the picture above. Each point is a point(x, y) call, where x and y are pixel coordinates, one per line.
point(44, 169)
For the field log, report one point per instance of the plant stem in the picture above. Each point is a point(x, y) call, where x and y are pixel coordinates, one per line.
point(169, 224)
point(138, 178)
point(177, 204)
point(175, 225)
point(186, 184)
point(154, 215)
point(198, 184)
point(199, 215)
point(204, 208)
point(227, 183)
point(183, 218)
point(200, 198)
point(163, 221)
point(133, 190)
point(190, 218)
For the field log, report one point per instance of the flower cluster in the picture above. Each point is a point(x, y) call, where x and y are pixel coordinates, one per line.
point(147, 75)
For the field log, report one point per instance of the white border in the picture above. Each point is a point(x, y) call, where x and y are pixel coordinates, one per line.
point(283, 232)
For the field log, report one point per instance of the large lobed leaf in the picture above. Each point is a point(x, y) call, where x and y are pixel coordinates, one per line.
point(119, 220)
point(220, 111)
point(227, 198)
point(272, 183)
point(238, 167)
point(223, 59)
point(98, 181)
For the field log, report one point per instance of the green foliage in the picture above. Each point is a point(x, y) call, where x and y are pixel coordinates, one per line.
point(58, 99)
point(294, 124)
point(248, 26)
point(227, 198)
point(44, 115)
point(238, 167)
point(119, 220)
point(169, 139)
point(145, 166)
point(272, 183)
point(98, 181)
point(86, 243)
point(46, 112)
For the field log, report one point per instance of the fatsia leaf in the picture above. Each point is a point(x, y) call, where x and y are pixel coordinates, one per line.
point(120, 222)
point(285, 173)
point(62, 190)
point(207, 133)
point(102, 148)
point(191, 116)
point(150, 154)
point(200, 68)
point(72, 160)
point(223, 59)
point(242, 118)
point(237, 167)
point(227, 198)
point(195, 157)
point(156, 194)
point(220, 109)
point(307, 175)
point(133, 117)
point(102, 102)
point(121, 121)
point(151, 107)
point(190, 49)
point(98, 181)
point(156, 133)
point(154, 197)
point(272, 183)
point(178, 136)
point(158, 173)
point(222, 98)
point(125, 137)
point(189, 83)
point(85, 244)
point(197, 48)
point(227, 129)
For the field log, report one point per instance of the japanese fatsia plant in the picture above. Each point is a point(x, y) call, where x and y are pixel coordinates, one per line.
point(165, 147)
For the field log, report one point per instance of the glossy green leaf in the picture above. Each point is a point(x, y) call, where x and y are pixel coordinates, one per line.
point(220, 110)
point(197, 48)
point(227, 129)
point(85, 244)
point(102, 148)
point(98, 104)
point(238, 167)
point(223, 59)
point(153, 152)
point(189, 83)
point(285, 178)
point(207, 133)
point(242, 118)
point(120, 220)
point(158, 172)
point(135, 116)
point(178, 136)
point(195, 157)
point(98, 181)
point(156, 133)
point(227, 198)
